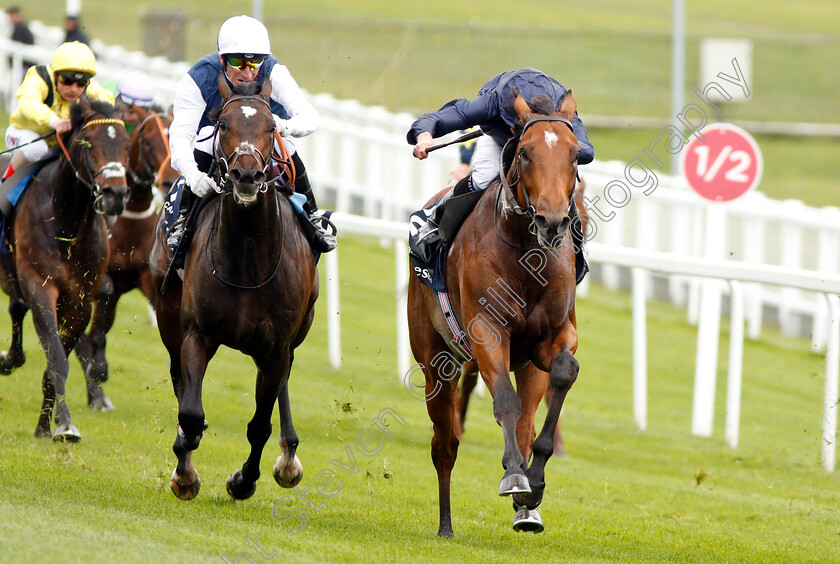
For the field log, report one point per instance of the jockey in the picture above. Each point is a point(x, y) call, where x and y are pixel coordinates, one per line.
point(44, 99)
point(493, 112)
point(244, 55)
point(134, 90)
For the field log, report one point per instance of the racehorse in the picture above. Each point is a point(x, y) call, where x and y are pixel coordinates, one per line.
point(249, 283)
point(511, 281)
point(60, 249)
point(130, 238)
point(470, 380)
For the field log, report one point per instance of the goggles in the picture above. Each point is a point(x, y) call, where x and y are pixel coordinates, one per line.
point(73, 78)
point(241, 62)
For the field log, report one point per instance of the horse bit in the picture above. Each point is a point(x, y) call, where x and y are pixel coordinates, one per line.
point(111, 169)
point(225, 163)
point(528, 210)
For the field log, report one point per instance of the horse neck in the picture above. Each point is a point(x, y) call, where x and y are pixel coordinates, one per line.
point(73, 199)
point(249, 239)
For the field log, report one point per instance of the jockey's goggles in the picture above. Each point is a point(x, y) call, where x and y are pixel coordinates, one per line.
point(68, 78)
point(241, 62)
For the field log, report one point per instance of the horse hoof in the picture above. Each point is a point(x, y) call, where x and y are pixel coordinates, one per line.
point(67, 433)
point(288, 476)
point(513, 484)
point(184, 491)
point(102, 404)
point(43, 432)
point(234, 486)
point(8, 364)
point(528, 520)
point(97, 371)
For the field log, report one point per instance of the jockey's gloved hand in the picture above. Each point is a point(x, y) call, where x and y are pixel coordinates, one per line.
point(200, 184)
point(283, 126)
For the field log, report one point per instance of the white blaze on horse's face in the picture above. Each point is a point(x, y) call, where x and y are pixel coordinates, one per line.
point(551, 139)
point(112, 133)
point(248, 111)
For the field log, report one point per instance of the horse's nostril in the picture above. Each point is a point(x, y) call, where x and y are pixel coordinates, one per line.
point(564, 223)
point(541, 222)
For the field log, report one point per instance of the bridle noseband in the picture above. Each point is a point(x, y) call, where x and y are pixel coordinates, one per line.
point(109, 170)
point(225, 163)
point(510, 187)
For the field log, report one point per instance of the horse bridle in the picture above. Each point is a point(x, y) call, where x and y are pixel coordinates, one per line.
point(108, 170)
point(151, 174)
point(225, 163)
point(510, 187)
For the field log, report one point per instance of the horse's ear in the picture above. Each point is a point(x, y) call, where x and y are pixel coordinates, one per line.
point(265, 88)
point(224, 89)
point(568, 106)
point(84, 103)
point(522, 108)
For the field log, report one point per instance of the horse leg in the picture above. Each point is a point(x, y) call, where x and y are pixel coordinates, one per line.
point(195, 355)
point(564, 371)
point(288, 471)
point(104, 311)
point(45, 319)
point(469, 378)
point(14, 357)
point(243, 482)
point(559, 449)
point(530, 385)
point(442, 372)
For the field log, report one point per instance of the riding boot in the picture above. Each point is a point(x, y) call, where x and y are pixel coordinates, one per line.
point(176, 232)
point(321, 240)
point(428, 234)
point(581, 264)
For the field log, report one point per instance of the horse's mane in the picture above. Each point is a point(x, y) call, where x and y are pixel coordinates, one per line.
point(242, 89)
point(98, 106)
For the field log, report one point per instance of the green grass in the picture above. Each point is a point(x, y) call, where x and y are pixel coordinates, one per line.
point(623, 496)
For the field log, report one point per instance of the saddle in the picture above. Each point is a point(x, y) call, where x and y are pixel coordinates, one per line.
point(432, 270)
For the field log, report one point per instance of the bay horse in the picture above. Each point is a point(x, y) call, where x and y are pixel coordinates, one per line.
point(249, 283)
point(511, 282)
point(470, 380)
point(130, 238)
point(60, 249)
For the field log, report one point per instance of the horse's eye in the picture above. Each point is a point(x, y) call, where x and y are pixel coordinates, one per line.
point(523, 154)
point(222, 126)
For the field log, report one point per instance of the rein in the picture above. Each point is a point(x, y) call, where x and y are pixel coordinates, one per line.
point(226, 162)
point(509, 187)
point(109, 170)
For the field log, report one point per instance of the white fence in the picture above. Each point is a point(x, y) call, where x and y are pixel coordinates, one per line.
point(825, 287)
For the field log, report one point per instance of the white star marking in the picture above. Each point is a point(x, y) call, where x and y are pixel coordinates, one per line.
point(248, 111)
point(550, 139)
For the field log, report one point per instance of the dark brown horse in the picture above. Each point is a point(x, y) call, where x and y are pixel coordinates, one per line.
point(511, 281)
point(470, 379)
point(60, 249)
point(130, 238)
point(249, 283)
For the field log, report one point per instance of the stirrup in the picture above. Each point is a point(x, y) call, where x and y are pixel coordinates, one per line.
point(176, 234)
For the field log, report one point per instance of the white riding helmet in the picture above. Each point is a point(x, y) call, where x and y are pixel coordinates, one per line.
point(135, 88)
point(243, 35)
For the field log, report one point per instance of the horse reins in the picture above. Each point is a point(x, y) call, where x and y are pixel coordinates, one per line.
point(226, 162)
point(110, 169)
point(509, 187)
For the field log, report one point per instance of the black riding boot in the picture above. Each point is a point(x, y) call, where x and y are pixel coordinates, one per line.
point(176, 232)
point(428, 235)
point(321, 240)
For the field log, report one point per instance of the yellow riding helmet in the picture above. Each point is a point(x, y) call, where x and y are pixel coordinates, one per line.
point(75, 57)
